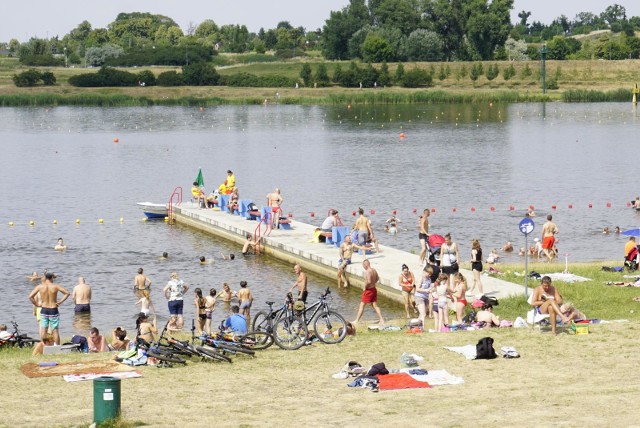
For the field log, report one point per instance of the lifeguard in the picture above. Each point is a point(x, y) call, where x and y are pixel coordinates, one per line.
point(227, 187)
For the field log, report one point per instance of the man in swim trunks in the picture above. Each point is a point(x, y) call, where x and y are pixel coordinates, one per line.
point(548, 237)
point(363, 226)
point(300, 284)
point(274, 200)
point(423, 234)
point(345, 251)
point(81, 296)
point(49, 315)
point(245, 300)
point(141, 282)
point(547, 300)
point(370, 294)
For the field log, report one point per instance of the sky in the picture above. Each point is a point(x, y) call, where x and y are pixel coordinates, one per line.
point(24, 19)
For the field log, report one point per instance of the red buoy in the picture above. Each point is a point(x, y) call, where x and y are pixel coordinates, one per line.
point(608, 204)
point(312, 214)
point(290, 215)
point(473, 210)
point(433, 210)
point(570, 206)
point(372, 212)
point(453, 209)
point(590, 205)
point(394, 212)
point(553, 207)
point(492, 208)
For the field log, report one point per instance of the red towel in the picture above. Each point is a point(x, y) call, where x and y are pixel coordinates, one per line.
point(400, 381)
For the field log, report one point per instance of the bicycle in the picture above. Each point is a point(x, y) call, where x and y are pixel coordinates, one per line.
point(221, 342)
point(18, 339)
point(288, 329)
point(329, 326)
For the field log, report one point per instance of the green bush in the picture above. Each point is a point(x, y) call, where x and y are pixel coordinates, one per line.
point(249, 80)
point(105, 77)
point(200, 74)
point(492, 72)
point(147, 77)
point(508, 72)
point(27, 78)
point(48, 78)
point(170, 78)
point(417, 77)
point(163, 55)
point(41, 61)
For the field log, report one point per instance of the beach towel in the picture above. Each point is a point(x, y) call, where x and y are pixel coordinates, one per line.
point(91, 376)
point(399, 381)
point(61, 369)
point(435, 377)
point(567, 277)
point(469, 351)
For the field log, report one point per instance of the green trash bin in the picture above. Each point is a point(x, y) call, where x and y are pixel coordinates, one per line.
point(106, 398)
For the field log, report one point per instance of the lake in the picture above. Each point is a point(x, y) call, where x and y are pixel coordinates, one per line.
point(468, 163)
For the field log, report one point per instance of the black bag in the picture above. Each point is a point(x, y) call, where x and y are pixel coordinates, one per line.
point(469, 318)
point(484, 349)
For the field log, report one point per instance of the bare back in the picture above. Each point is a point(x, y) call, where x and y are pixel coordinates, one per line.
point(363, 224)
point(81, 294)
point(49, 294)
point(549, 229)
point(371, 278)
point(141, 281)
point(244, 294)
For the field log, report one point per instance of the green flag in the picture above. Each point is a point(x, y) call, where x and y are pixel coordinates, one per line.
point(199, 178)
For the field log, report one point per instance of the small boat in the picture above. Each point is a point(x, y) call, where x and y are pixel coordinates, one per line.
point(152, 210)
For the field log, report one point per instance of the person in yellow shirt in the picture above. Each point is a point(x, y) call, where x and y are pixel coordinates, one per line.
point(227, 187)
point(198, 195)
point(629, 245)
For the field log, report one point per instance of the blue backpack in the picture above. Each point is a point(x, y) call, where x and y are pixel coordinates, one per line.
point(82, 341)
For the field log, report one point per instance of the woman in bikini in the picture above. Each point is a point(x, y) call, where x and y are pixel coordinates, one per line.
point(146, 329)
point(209, 306)
point(233, 201)
point(449, 258)
point(423, 296)
point(407, 283)
point(200, 304)
point(458, 292)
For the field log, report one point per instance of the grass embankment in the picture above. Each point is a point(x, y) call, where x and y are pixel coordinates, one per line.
point(565, 380)
point(577, 80)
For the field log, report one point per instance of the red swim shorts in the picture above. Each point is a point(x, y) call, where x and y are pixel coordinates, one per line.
point(370, 295)
point(275, 209)
point(547, 242)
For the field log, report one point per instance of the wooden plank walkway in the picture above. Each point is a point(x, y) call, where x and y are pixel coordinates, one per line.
point(296, 246)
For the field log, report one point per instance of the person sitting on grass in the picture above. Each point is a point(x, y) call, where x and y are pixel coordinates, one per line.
point(235, 322)
point(571, 312)
point(96, 341)
point(486, 315)
point(4, 334)
point(119, 341)
point(47, 340)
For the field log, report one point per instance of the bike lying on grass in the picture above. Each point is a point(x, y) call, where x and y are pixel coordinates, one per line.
point(18, 339)
point(231, 343)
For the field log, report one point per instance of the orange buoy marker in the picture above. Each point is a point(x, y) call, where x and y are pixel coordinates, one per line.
point(453, 209)
point(608, 204)
point(402, 135)
point(512, 208)
point(590, 205)
point(433, 210)
point(312, 214)
point(372, 212)
point(353, 213)
point(492, 209)
point(473, 210)
point(116, 140)
point(395, 212)
point(553, 207)
point(531, 207)
point(570, 206)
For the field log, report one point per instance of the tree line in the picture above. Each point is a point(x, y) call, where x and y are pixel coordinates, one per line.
point(369, 30)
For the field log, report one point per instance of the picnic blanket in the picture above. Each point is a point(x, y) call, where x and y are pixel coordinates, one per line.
point(400, 381)
point(436, 377)
point(567, 277)
point(469, 351)
point(91, 376)
point(60, 369)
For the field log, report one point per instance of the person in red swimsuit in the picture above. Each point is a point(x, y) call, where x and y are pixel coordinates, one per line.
point(548, 237)
point(370, 294)
point(459, 291)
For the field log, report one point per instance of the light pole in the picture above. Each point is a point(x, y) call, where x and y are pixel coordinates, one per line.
point(65, 57)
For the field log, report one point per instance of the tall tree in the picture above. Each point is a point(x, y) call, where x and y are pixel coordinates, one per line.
point(524, 16)
point(340, 26)
point(488, 26)
point(401, 14)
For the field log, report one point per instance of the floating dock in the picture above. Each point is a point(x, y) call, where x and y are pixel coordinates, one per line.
point(296, 245)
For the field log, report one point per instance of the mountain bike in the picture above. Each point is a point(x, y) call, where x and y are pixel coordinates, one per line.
point(18, 339)
point(288, 329)
point(329, 326)
point(223, 342)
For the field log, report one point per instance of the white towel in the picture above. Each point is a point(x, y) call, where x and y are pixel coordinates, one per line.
point(469, 351)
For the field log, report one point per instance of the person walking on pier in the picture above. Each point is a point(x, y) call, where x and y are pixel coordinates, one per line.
point(370, 293)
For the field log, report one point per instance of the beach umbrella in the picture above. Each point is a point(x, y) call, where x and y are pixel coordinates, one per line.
point(199, 178)
point(632, 232)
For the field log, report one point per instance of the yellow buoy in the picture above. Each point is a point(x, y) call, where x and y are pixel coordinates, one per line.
point(100, 221)
point(121, 219)
point(10, 223)
point(144, 219)
point(55, 221)
point(77, 221)
point(166, 219)
point(31, 223)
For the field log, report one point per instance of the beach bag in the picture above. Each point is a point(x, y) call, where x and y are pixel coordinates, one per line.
point(484, 349)
point(469, 318)
point(82, 341)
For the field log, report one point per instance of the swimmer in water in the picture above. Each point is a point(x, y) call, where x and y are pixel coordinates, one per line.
point(60, 245)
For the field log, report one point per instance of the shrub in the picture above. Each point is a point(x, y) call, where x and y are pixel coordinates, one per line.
point(170, 78)
point(508, 72)
point(476, 71)
point(105, 77)
point(48, 78)
point(526, 72)
point(147, 77)
point(417, 77)
point(249, 80)
point(322, 77)
point(41, 61)
point(492, 72)
point(200, 74)
point(27, 78)
point(305, 74)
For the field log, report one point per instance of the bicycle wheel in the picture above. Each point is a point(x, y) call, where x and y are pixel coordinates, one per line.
point(166, 357)
point(27, 342)
point(260, 322)
point(212, 353)
point(182, 348)
point(256, 340)
point(330, 327)
point(234, 348)
point(290, 333)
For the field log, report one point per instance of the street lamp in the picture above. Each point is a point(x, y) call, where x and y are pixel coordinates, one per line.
point(65, 56)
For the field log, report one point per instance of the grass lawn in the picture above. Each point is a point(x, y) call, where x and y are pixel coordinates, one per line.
point(566, 380)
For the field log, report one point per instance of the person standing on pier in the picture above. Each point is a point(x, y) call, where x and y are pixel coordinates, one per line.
point(363, 226)
point(274, 200)
point(370, 294)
